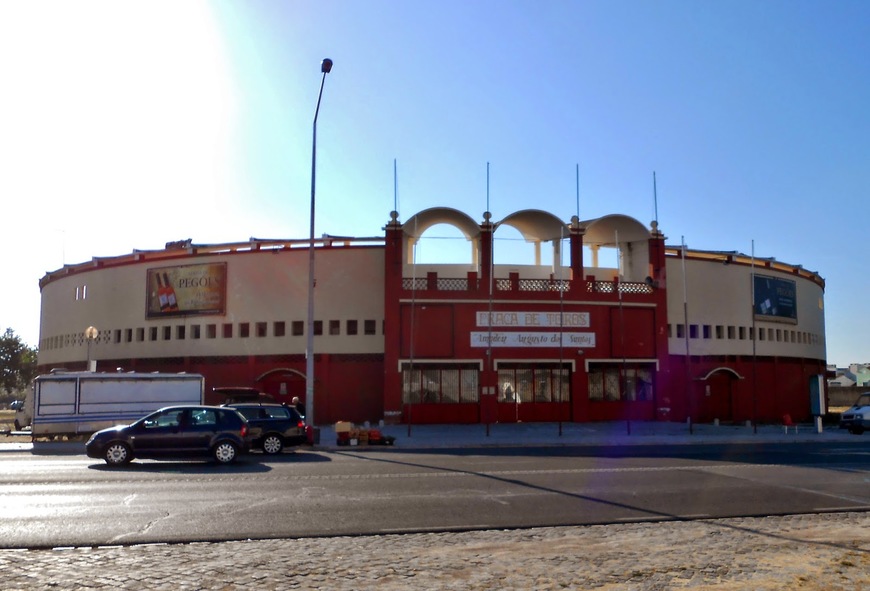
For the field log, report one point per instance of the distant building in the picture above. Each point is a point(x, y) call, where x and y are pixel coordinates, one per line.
point(842, 380)
point(663, 333)
point(860, 373)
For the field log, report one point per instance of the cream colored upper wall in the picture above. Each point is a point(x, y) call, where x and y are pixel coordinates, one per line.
point(721, 295)
point(263, 286)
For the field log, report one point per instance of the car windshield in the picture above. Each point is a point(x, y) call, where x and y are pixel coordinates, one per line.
point(863, 400)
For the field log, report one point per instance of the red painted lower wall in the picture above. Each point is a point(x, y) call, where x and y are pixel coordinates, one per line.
point(352, 388)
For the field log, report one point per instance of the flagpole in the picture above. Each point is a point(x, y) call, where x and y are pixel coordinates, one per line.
point(487, 217)
point(577, 188)
point(689, 399)
point(622, 335)
point(754, 351)
point(413, 315)
point(561, 324)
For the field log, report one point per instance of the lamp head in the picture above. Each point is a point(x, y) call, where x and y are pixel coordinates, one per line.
point(326, 66)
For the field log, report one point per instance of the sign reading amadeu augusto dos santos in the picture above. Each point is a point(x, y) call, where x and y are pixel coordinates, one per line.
point(531, 338)
point(186, 290)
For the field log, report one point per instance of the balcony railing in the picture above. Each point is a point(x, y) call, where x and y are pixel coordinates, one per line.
point(524, 285)
point(445, 284)
point(627, 287)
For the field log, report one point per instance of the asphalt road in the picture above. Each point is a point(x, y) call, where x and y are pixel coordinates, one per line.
point(70, 500)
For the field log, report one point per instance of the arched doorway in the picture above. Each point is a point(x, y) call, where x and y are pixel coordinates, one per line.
point(283, 384)
point(716, 398)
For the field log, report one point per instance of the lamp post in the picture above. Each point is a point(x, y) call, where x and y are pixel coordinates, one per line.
point(91, 334)
point(325, 68)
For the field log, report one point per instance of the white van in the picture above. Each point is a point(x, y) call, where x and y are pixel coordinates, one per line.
point(79, 402)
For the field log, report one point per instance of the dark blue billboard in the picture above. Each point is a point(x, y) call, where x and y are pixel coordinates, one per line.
point(775, 299)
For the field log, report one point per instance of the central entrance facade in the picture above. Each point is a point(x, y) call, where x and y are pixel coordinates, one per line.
point(508, 343)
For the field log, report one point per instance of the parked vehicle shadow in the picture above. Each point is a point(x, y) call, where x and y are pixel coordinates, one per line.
point(297, 456)
point(248, 465)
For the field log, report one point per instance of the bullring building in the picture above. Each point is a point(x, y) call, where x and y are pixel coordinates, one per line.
point(662, 333)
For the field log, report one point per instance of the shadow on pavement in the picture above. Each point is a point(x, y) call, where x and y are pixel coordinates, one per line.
point(245, 466)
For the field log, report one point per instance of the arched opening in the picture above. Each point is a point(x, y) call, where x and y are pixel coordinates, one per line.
point(283, 384)
point(716, 398)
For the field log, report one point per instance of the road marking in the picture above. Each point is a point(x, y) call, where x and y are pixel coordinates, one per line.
point(696, 516)
point(665, 518)
point(840, 509)
point(440, 528)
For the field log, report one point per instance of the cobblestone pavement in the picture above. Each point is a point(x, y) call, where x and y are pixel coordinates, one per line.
point(808, 552)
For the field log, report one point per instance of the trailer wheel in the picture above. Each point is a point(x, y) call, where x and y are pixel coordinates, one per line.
point(117, 454)
point(225, 452)
point(272, 444)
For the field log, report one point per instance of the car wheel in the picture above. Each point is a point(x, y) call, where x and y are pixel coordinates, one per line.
point(856, 429)
point(225, 452)
point(273, 444)
point(117, 454)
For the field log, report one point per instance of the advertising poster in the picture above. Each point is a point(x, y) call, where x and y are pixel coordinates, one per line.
point(186, 290)
point(775, 299)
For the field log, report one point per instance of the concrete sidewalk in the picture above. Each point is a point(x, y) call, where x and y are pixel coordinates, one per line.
point(533, 434)
point(571, 434)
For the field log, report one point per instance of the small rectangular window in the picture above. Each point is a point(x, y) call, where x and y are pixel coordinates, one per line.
point(195, 331)
point(370, 327)
point(681, 331)
point(152, 333)
point(318, 327)
point(706, 331)
point(211, 331)
point(335, 327)
point(761, 335)
point(180, 332)
point(731, 333)
point(117, 335)
point(167, 333)
point(741, 333)
point(297, 328)
point(140, 334)
point(693, 331)
point(262, 329)
point(279, 329)
point(351, 327)
point(227, 332)
point(244, 330)
point(720, 331)
point(128, 335)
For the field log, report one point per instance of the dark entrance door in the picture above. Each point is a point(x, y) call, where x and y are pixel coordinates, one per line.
point(716, 398)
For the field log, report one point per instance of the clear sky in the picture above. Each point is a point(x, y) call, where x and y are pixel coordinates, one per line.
point(126, 125)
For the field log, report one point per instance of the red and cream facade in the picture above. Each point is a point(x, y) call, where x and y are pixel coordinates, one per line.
point(667, 334)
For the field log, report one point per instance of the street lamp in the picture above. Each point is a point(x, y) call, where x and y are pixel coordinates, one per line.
point(91, 334)
point(325, 68)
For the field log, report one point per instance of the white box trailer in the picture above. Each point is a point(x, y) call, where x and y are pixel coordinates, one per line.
point(72, 403)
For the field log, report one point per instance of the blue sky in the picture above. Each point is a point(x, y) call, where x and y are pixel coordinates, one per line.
point(128, 125)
